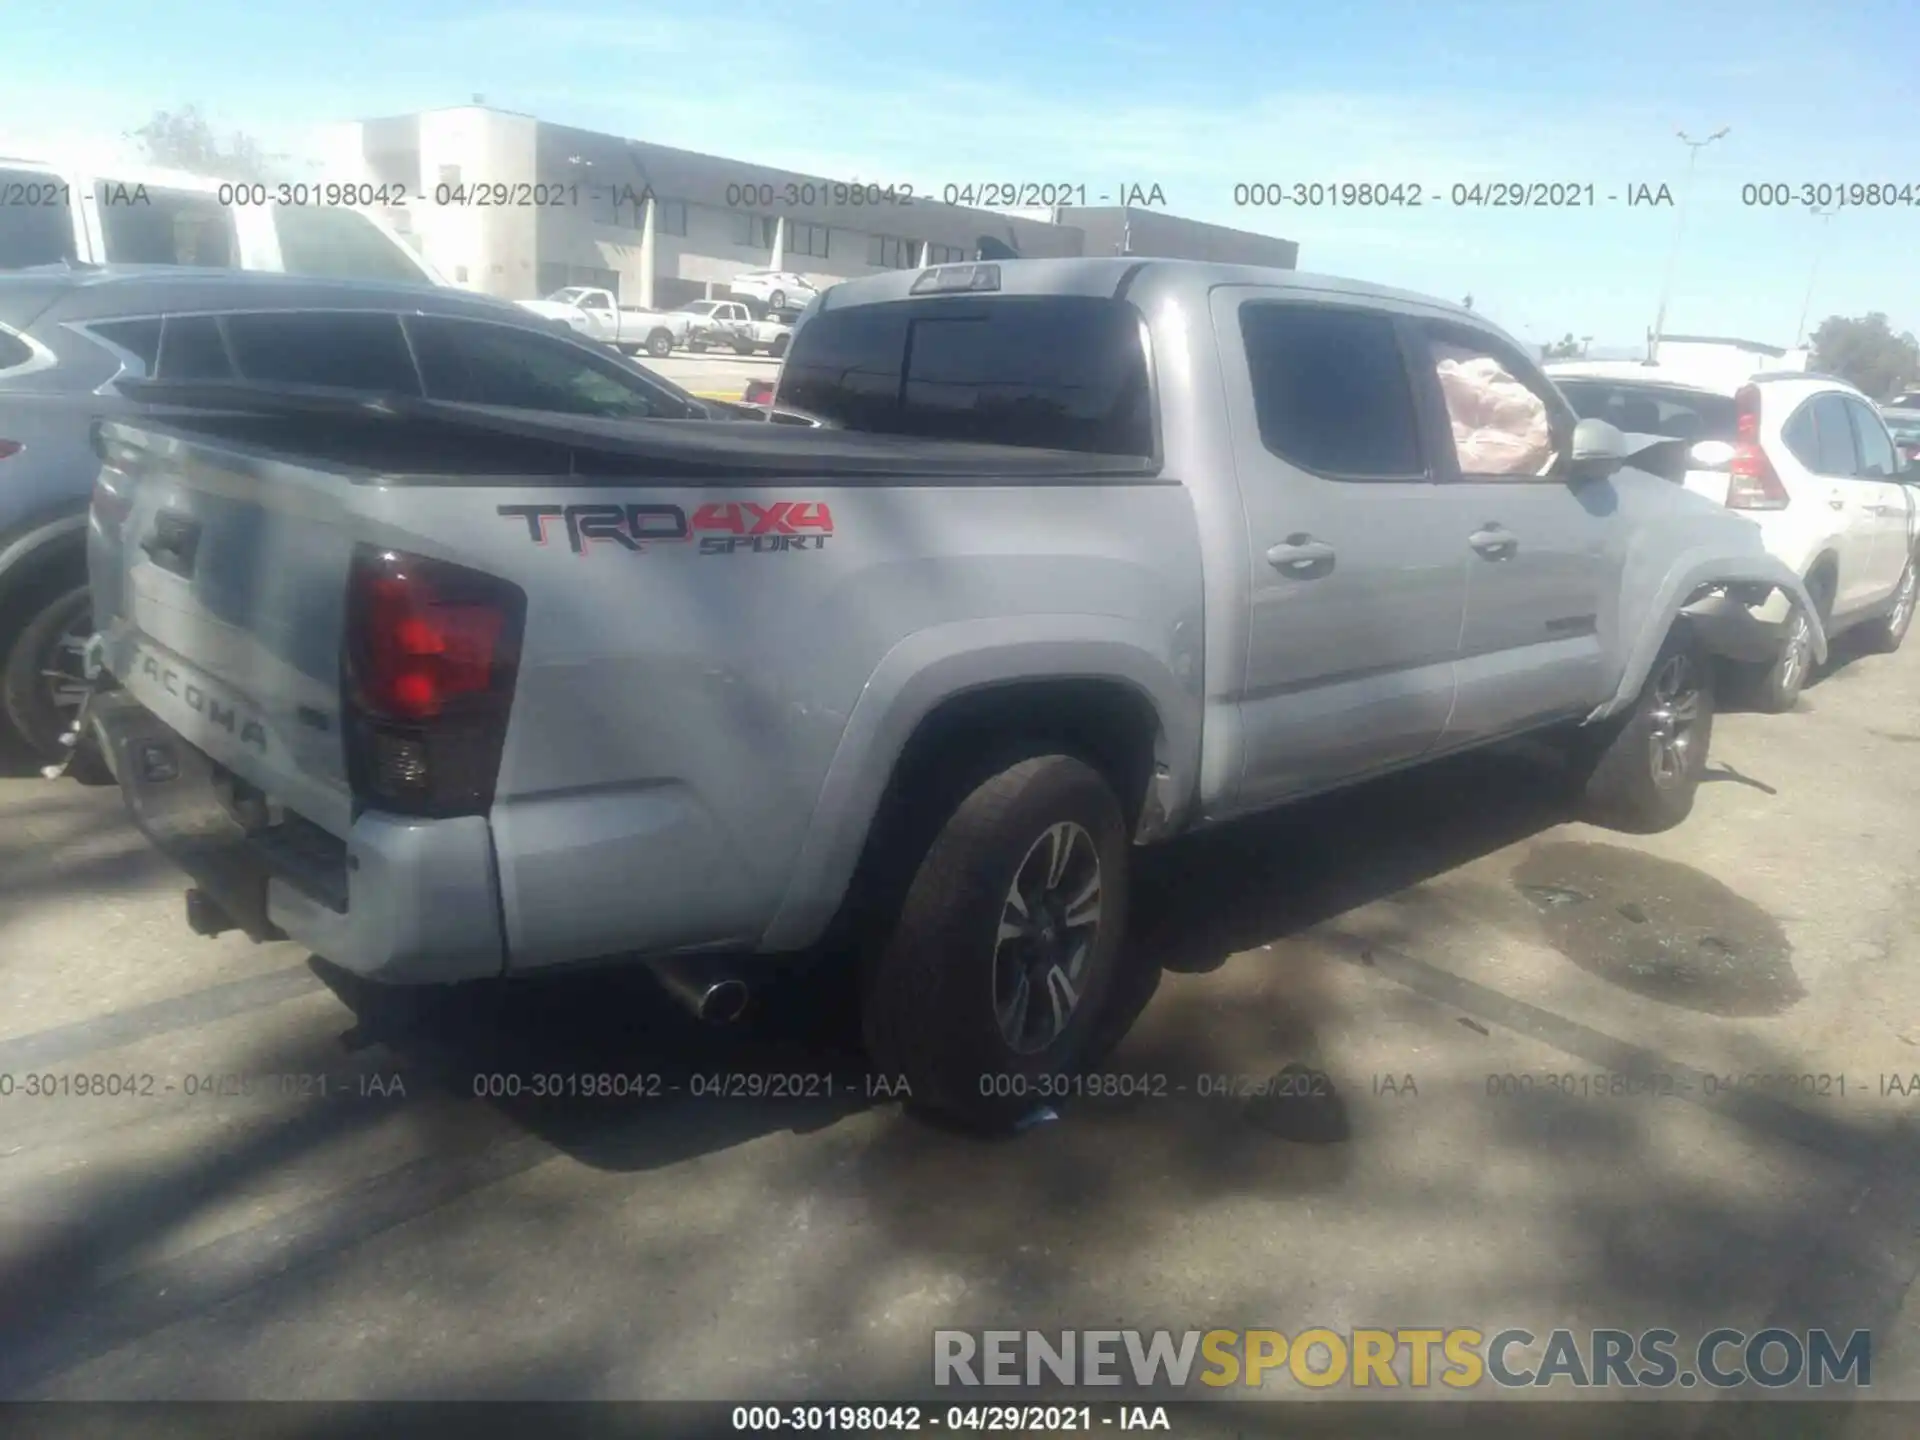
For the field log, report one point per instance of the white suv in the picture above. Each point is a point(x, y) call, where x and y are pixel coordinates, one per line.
point(1809, 460)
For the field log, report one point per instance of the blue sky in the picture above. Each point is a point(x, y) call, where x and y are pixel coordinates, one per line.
point(1194, 96)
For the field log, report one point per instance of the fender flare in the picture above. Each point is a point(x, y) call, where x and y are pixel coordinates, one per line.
point(1690, 573)
point(932, 666)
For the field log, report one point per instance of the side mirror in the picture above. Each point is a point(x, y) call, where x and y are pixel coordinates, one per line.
point(1597, 451)
point(1711, 455)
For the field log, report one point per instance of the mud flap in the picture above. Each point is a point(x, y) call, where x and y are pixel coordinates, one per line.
point(174, 795)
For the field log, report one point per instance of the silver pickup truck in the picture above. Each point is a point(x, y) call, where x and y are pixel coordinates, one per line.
point(1086, 554)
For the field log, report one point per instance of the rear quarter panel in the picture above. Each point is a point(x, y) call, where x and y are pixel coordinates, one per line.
point(682, 706)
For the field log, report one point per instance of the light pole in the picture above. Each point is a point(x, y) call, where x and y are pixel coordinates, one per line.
point(1694, 147)
point(1820, 245)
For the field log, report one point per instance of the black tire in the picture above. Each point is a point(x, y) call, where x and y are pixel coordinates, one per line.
point(660, 344)
point(1631, 780)
point(779, 347)
point(1884, 633)
point(1774, 687)
point(29, 705)
point(743, 349)
point(777, 300)
point(696, 347)
point(936, 980)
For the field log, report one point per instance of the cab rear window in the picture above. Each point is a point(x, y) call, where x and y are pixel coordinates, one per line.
point(1056, 372)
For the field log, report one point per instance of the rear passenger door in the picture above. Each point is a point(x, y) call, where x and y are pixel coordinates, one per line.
point(1820, 436)
point(1355, 591)
point(1888, 501)
point(1542, 558)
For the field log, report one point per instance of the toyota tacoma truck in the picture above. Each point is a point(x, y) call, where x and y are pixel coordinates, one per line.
point(1083, 555)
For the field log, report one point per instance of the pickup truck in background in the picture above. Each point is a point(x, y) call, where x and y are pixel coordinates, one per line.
point(597, 315)
point(1188, 542)
point(717, 323)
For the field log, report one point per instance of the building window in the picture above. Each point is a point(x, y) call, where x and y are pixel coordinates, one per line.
point(670, 217)
point(755, 232)
point(945, 255)
point(807, 240)
point(893, 253)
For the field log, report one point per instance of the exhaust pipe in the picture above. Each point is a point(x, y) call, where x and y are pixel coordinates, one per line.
point(704, 990)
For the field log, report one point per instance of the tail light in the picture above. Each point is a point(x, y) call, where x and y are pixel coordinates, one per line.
point(431, 655)
point(759, 392)
point(1753, 482)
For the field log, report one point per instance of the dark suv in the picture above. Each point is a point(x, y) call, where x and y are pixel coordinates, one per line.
point(70, 338)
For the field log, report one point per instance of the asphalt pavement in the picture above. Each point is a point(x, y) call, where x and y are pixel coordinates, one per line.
point(294, 1188)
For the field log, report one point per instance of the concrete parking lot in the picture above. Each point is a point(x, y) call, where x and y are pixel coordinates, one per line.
point(221, 1234)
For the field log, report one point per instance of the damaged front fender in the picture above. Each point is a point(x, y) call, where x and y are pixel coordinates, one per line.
point(1698, 572)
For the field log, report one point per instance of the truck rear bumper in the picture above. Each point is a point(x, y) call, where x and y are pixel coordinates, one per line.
point(400, 900)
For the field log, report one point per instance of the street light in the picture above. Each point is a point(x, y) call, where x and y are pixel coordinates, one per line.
point(1694, 147)
point(1820, 245)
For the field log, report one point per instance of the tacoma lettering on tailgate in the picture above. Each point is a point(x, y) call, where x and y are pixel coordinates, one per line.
point(248, 730)
point(720, 528)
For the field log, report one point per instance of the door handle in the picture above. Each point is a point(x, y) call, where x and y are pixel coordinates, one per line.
point(1836, 502)
point(1302, 557)
point(1494, 543)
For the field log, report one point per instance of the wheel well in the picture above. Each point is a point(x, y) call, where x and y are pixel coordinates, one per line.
point(1107, 723)
point(1822, 580)
point(56, 563)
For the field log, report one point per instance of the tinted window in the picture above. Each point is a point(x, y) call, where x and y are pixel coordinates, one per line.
point(36, 219)
point(1832, 437)
point(1330, 390)
point(145, 225)
point(139, 338)
point(192, 348)
point(345, 350)
point(1651, 410)
point(475, 363)
point(340, 243)
point(1876, 450)
point(1061, 372)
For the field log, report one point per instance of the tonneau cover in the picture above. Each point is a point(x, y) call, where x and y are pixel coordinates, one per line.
point(404, 438)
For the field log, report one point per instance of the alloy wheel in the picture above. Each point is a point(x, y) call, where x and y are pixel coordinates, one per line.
point(1672, 720)
point(1048, 925)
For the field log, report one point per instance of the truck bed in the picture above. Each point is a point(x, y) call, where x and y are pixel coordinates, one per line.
point(407, 441)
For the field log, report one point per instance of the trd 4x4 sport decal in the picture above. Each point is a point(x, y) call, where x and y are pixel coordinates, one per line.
point(721, 529)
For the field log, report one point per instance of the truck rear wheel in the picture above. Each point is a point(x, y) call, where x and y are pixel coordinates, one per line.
point(994, 970)
point(660, 344)
point(1640, 771)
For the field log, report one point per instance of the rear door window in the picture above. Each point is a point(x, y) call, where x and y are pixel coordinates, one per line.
point(1053, 372)
point(36, 219)
point(139, 338)
point(192, 348)
point(339, 349)
point(1330, 391)
point(1876, 450)
point(475, 363)
point(1833, 444)
point(153, 225)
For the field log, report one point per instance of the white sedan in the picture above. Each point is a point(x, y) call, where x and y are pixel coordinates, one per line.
point(776, 289)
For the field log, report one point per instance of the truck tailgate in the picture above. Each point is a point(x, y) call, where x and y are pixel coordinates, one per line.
point(225, 615)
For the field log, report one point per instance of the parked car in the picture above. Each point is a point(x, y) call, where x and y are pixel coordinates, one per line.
point(776, 289)
point(1808, 459)
point(717, 323)
point(53, 213)
point(771, 334)
point(596, 314)
point(70, 340)
point(1113, 550)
